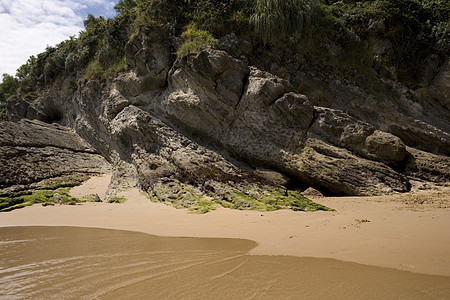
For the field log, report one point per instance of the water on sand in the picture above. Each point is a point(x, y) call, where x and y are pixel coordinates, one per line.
point(89, 263)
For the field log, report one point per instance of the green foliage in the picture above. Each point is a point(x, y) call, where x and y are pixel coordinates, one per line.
point(229, 43)
point(416, 29)
point(277, 20)
point(194, 41)
point(93, 71)
point(171, 13)
point(214, 16)
point(123, 5)
point(101, 44)
point(233, 15)
point(202, 206)
point(8, 88)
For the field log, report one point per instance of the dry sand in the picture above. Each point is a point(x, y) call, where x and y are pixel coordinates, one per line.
point(408, 232)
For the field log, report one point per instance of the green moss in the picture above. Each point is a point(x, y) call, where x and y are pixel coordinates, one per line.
point(22, 199)
point(55, 184)
point(250, 197)
point(117, 200)
point(202, 206)
point(268, 198)
point(180, 195)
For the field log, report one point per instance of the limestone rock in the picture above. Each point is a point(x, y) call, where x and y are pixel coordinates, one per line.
point(424, 166)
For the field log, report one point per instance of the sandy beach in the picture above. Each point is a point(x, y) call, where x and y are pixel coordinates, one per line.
point(407, 232)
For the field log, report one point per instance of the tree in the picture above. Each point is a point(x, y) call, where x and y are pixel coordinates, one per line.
point(91, 23)
point(8, 87)
point(124, 5)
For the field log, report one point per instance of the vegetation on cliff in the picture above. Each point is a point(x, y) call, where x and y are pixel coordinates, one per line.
point(415, 30)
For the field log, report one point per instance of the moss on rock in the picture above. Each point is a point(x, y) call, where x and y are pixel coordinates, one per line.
point(249, 197)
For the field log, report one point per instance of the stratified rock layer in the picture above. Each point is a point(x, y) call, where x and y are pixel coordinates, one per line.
point(31, 151)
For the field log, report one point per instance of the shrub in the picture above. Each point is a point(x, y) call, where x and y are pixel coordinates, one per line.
point(93, 71)
point(275, 20)
point(194, 41)
point(233, 15)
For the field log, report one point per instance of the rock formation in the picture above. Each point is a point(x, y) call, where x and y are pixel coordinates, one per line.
point(32, 151)
point(213, 123)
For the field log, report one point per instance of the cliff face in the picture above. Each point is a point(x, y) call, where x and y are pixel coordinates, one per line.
point(211, 123)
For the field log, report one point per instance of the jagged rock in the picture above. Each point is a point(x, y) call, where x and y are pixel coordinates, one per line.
point(339, 171)
point(205, 89)
point(28, 133)
point(385, 147)
point(19, 108)
point(275, 178)
point(425, 136)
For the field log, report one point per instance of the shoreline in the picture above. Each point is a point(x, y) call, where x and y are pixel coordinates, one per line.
point(407, 232)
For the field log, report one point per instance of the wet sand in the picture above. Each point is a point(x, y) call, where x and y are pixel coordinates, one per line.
point(406, 232)
point(88, 263)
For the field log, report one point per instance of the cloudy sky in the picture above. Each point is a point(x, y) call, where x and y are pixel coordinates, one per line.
point(28, 26)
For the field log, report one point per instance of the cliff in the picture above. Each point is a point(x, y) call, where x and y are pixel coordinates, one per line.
point(215, 127)
point(212, 122)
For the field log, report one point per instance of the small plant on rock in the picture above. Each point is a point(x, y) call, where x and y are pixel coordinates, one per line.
point(195, 40)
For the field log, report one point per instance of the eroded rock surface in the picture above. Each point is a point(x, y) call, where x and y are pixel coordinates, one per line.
point(211, 122)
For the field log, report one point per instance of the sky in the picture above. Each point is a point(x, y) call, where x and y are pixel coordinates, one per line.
point(27, 27)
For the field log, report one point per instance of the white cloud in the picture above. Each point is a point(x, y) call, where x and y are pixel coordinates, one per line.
point(28, 26)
